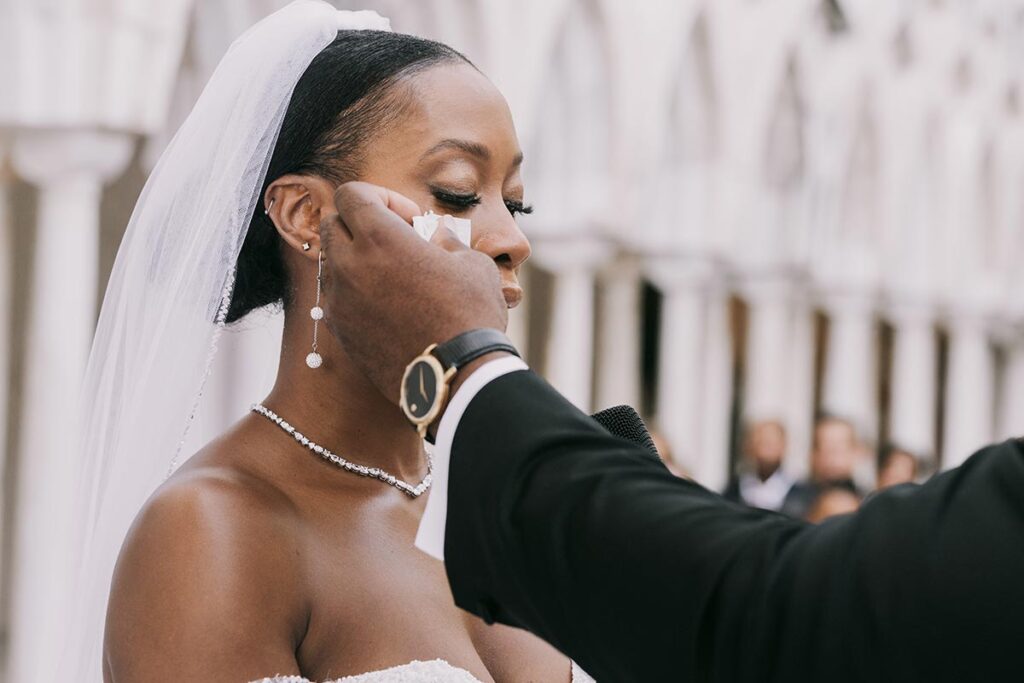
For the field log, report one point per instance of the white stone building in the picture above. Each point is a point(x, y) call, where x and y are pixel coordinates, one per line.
point(744, 209)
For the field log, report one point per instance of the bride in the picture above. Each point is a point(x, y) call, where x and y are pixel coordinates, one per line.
point(269, 553)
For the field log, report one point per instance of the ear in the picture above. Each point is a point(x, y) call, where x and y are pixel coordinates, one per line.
point(296, 204)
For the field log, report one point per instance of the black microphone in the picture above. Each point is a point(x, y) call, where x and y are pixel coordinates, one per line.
point(624, 422)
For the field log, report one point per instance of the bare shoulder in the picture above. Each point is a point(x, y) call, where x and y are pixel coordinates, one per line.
point(214, 510)
point(210, 575)
point(216, 496)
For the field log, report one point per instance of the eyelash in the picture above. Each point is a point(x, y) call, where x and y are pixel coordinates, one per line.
point(463, 202)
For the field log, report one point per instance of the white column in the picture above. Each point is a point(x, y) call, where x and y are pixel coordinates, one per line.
point(69, 168)
point(618, 365)
point(914, 385)
point(851, 362)
point(800, 392)
point(1011, 414)
point(6, 287)
point(681, 357)
point(970, 386)
point(780, 348)
point(570, 348)
point(768, 344)
point(712, 469)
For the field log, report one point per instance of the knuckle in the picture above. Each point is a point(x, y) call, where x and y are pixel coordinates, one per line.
point(342, 192)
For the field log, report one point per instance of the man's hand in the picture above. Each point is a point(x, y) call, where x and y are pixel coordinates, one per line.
point(389, 294)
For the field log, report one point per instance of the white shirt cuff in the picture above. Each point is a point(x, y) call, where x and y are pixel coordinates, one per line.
point(430, 537)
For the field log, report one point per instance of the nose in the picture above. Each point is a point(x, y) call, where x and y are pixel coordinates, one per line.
point(498, 235)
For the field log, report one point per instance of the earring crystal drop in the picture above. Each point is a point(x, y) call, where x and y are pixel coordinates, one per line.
point(314, 360)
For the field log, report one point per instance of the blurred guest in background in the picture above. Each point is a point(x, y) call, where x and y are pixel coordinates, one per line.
point(896, 466)
point(837, 451)
point(760, 481)
point(832, 500)
point(836, 454)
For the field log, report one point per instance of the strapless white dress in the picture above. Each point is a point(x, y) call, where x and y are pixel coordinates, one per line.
point(436, 671)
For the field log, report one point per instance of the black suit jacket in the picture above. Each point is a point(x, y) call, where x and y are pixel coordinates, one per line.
point(556, 526)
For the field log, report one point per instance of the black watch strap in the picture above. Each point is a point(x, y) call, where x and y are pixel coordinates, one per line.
point(469, 346)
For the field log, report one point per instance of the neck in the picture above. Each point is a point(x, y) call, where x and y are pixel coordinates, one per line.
point(336, 406)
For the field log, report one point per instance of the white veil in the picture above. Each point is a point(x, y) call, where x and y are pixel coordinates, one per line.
point(168, 293)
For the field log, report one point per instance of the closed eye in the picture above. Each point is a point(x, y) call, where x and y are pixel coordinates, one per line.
point(517, 207)
point(463, 202)
point(454, 200)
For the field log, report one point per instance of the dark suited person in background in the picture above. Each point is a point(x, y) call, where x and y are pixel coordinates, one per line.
point(836, 455)
point(550, 523)
point(761, 482)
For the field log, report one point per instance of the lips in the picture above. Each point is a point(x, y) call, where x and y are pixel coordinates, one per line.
point(513, 295)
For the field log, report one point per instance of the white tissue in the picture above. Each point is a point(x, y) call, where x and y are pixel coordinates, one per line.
point(426, 225)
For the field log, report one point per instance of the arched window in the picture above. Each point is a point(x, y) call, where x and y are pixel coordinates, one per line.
point(859, 222)
point(784, 146)
point(570, 155)
point(691, 146)
point(693, 136)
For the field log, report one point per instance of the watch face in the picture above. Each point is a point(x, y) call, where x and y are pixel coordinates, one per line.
point(419, 389)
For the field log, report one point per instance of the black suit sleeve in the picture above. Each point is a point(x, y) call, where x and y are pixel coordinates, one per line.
point(732, 490)
point(556, 526)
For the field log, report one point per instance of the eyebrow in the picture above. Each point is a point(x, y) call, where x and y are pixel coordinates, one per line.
point(469, 147)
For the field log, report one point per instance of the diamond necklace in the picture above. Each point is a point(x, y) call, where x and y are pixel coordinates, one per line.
point(362, 470)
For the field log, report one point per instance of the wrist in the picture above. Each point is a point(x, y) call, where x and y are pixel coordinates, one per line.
point(461, 375)
point(437, 373)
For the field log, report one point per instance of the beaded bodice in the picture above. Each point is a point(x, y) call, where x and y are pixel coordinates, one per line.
point(436, 671)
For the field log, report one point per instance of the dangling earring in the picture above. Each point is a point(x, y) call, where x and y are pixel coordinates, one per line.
point(314, 359)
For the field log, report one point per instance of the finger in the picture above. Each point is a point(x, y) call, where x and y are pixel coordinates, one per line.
point(331, 228)
point(402, 205)
point(372, 211)
point(446, 238)
point(335, 241)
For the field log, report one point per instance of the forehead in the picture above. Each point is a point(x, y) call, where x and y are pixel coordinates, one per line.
point(767, 429)
point(452, 101)
point(835, 429)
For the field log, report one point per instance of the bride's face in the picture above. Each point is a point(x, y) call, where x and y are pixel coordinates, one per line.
point(455, 151)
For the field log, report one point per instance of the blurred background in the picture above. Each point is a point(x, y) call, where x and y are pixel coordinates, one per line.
point(788, 231)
